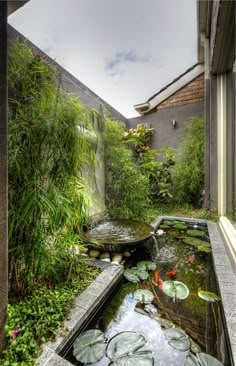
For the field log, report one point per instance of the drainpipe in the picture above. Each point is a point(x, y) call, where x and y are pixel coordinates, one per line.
point(205, 43)
point(3, 173)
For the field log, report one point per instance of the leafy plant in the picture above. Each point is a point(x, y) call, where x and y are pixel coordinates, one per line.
point(188, 175)
point(135, 274)
point(90, 346)
point(127, 189)
point(39, 316)
point(146, 265)
point(140, 358)
point(143, 296)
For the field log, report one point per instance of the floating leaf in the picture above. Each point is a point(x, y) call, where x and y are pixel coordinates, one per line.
point(124, 344)
point(195, 233)
point(196, 242)
point(143, 296)
point(207, 360)
point(175, 289)
point(180, 226)
point(191, 360)
point(177, 339)
point(202, 359)
point(168, 223)
point(90, 346)
point(162, 226)
point(135, 274)
point(204, 249)
point(208, 296)
point(146, 265)
point(177, 234)
point(142, 358)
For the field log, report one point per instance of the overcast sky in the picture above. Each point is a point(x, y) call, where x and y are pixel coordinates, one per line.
point(124, 50)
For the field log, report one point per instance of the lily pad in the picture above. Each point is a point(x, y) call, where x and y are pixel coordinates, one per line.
point(202, 359)
point(177, 234)
point(143, 296)
point(142, 358)
point(135, 274)
point(196, 242)
point(177, 339)
point(162, 226)
point(168, 223)
point(207, 360)
point(195, 233)
point(146, 265)
point(90, 346)
point(124, 344)
point(175, 289)
point(208, 296)
point(180, 226)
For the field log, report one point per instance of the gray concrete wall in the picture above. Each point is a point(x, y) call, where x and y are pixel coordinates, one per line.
point(165, 134)
point(69, 82)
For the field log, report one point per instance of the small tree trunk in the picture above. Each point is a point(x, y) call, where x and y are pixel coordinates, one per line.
point(3, 173)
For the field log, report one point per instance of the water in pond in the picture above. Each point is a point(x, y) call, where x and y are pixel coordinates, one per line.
point(183, 270)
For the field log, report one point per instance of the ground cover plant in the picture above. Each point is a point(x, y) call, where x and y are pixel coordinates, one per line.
point(36, 318)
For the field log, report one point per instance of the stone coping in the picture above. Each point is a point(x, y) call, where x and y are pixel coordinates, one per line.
point(82, 309)
point(224, 273)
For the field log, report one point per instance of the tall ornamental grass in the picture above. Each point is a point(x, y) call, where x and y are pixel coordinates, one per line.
point(47, 151)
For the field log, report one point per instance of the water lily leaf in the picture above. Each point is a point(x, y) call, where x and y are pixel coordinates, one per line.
point(143, 296)
point(168, 223)
point(175, 289)
point(90, 346)
point(208, 296)
point(162, 226)
point(177, 339)
point(191, 360)
point(196, 242)
point(204, 249)
point(135, 274)
point(207, 360)
point(195, 232)
point(124, 344)
point(142, 358)
point(146, 265)
point(180, 226)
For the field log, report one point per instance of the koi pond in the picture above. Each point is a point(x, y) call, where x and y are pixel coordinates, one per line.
point(166, 312)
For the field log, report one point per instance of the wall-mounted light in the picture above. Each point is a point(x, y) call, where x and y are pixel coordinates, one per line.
point(174, 123)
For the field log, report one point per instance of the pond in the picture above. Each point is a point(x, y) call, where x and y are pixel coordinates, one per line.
point(166, 311)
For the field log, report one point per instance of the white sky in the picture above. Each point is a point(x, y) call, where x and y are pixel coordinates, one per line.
point(124, 50)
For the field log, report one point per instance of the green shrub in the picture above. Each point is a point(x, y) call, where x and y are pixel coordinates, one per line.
point(127, 188)
point(36, 319)
point(188, 175)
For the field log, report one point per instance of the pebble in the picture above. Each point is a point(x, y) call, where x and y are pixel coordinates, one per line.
point(93, 253)
point(127, 254)
point(104, 255)
point(117, 258)
point(106, 259)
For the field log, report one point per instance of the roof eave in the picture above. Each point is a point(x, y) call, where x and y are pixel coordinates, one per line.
point(15, 5)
